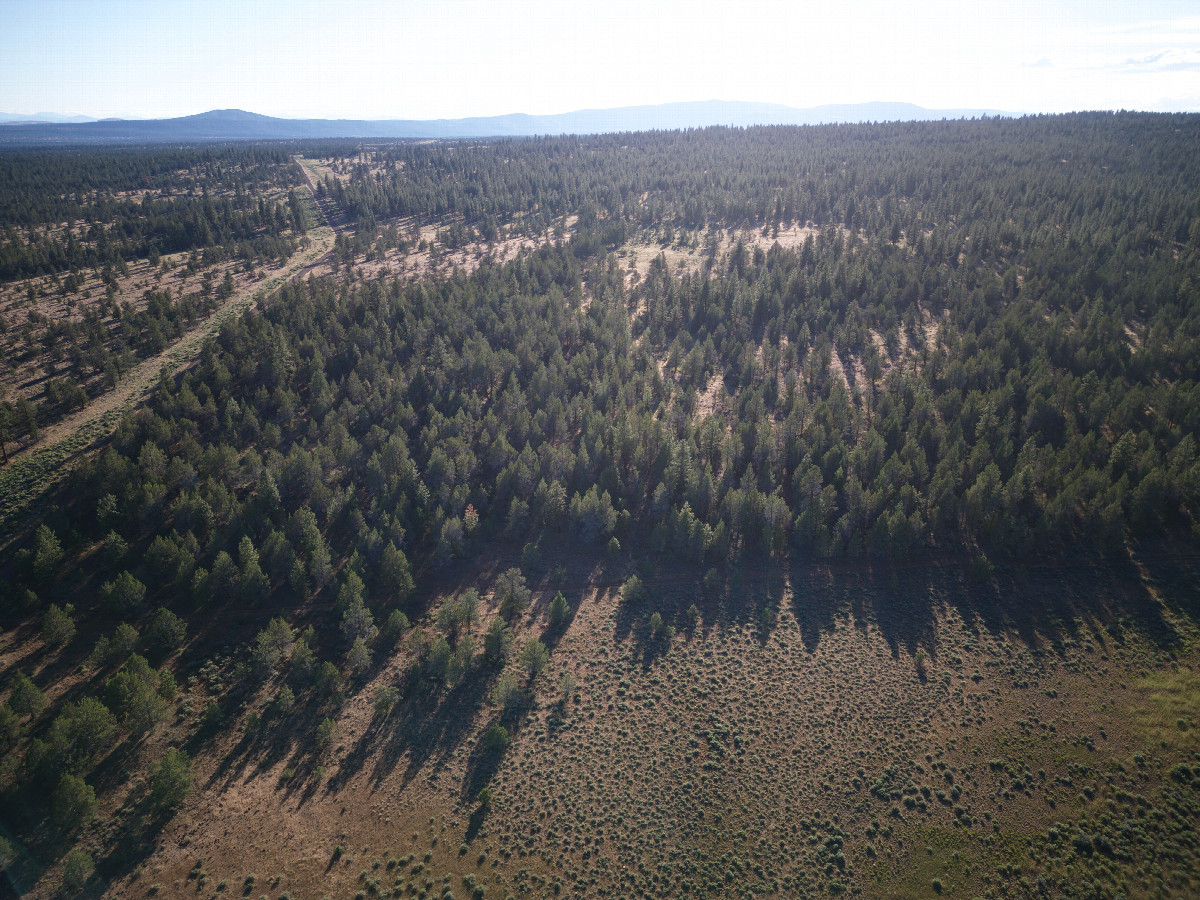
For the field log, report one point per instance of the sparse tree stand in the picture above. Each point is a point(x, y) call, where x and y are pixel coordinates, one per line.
point(867, 395)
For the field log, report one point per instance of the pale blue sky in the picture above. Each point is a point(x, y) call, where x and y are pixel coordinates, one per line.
point(371, 59)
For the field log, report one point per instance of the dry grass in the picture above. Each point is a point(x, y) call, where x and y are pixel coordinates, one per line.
point(788, 752)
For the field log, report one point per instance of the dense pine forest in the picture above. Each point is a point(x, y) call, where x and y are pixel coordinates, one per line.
point(733, 356)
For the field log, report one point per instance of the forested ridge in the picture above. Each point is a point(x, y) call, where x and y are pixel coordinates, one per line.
point(986, 344)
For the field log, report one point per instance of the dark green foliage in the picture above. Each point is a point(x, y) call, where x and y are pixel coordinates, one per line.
point(47, 553)
point(385, 698)
point(77, 871)
point(125, 595)
point(303, 663)
point(170, 780)
point(326, 733)
point(357, 621)
point(253, 584)
point(79, 734)
point(395, 576)
point(393, 628)
point(57, 626)
point(1017, 418)
point(133, 694)
point(10, 728)
point(358, 657)
point(168, 563)
point(632, 590)
point(327, 682)
point(438, 655)
point(104, 189)
point(559, 611)
point(508, 692)
point(496, 739)
point(977, 348)
point(168, 689)
point(497, 641)
point(124, 640)
point(212, 716)
point(511, 593)
point(533, 657)
point(73, 803)
point(26, 699)
point(285, 700)
point(273, 645)
point(656, 624)
point(164, 632)
point(459, 612)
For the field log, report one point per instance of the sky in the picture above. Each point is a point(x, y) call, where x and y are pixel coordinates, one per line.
point(424, 59)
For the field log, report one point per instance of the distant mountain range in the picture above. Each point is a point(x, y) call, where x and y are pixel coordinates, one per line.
point(40, 118)
point(237, 125)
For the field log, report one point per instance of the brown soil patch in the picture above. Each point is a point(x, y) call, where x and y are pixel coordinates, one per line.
point(707, 401)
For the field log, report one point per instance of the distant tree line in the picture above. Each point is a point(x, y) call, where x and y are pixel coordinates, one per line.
point(69, 210)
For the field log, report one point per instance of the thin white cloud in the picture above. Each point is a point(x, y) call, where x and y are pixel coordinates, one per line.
point(1173, 59)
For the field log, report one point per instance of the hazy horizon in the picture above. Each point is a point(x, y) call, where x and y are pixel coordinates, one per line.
point(466, 58)
point(719, 101)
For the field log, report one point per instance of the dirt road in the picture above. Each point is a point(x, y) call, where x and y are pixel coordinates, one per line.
point(36, 468)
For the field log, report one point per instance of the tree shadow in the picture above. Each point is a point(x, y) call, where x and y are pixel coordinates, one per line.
point(1042, 603)
point(475, 823)
point(482, 766)
point(425, 725)
point(748, 594)
point(485, 760)
point(142, 823)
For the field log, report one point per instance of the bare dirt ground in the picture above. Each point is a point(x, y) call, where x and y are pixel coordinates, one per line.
point(707, 401)
point(639, 254)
